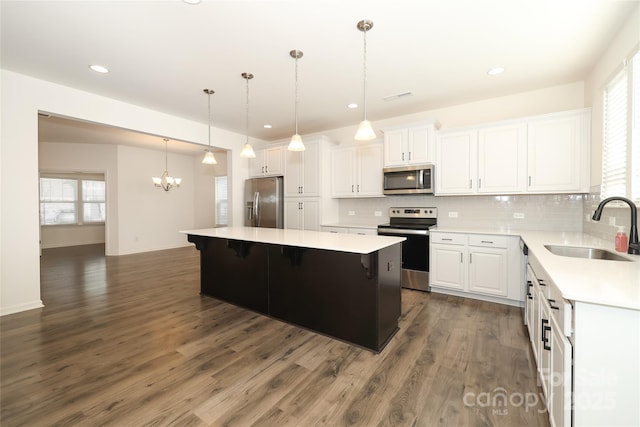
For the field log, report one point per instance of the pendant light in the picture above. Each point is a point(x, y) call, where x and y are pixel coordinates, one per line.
point(365, 131)
point(209, 158)
point(247, 149)
point(166, 181)
point(296, 143)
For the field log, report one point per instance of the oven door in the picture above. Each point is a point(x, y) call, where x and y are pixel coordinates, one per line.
point(415, 255)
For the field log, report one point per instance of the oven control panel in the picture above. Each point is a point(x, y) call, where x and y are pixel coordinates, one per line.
point(413, 212)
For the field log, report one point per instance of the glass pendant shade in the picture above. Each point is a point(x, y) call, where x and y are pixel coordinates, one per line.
point(247, 151)
point(209, 158)
point(296, 143)
point(365, 131)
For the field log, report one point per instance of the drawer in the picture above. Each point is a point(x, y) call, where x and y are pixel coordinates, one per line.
point(335, 229)
point(364, 231)
point(487, 240)
point(561, 310)
point(448, 238)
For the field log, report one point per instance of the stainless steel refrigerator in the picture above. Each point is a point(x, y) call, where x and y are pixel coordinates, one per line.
point(264, 205)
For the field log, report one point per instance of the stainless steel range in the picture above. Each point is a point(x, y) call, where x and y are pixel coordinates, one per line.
point(413, 224)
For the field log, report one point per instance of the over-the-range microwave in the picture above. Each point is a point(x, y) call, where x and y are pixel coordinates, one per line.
point(416, 179)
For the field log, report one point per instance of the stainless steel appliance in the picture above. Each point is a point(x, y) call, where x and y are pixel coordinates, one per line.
point(413, 224)
point(416, 179)
point(264, 206)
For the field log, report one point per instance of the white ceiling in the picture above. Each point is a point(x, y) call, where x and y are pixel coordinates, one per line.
point(162, 54)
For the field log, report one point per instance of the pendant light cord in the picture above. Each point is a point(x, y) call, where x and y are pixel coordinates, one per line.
point(166, 155)
point(365, 72)
point(296, 97)
point(209, 117)
point(246, 122)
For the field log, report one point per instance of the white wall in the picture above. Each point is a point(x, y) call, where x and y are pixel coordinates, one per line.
point(22, 98)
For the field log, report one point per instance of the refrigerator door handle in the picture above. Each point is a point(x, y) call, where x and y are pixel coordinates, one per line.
point(256, 209)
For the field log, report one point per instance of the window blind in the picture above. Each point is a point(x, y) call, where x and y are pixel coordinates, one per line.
point(614, 150)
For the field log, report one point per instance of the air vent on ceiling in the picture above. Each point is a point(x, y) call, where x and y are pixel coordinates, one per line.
point(397, 96)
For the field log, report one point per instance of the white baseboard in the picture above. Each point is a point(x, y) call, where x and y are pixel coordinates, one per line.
point(21, 307)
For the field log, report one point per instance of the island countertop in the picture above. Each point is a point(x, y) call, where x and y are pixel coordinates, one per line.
point(360, 244)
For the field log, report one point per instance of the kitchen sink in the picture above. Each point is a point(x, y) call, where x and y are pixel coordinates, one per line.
point(584, 252)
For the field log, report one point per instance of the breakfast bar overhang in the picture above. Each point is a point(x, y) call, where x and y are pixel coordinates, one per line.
point(342, 285)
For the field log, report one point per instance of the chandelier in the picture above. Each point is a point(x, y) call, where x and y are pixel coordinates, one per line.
point(166, 181)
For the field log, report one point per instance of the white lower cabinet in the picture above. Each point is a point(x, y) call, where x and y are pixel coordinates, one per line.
point(476, 265)
point(302, 214)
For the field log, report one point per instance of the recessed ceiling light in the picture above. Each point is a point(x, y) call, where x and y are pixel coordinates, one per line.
point(352, 105)
point(495, 71)
point(99, 68)
point(267, 126)
point(192, 1)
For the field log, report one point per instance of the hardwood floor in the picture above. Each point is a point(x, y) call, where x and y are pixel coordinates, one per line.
point(128, 341)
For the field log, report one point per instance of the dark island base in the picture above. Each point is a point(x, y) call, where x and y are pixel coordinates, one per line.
point(348, 296)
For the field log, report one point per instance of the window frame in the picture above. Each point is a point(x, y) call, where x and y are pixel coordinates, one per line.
point(79, 196)
point(631, 73)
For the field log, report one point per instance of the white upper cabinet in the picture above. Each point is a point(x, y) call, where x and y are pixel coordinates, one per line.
point(268, 162)
point(409, 145)
point(302, 171)
point(456, 162)
point(543, 154)
point(558, 152)
point(502, 156)
point(356, 171)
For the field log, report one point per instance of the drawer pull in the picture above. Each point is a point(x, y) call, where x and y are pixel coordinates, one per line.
point(448, 240)
point(486, 241)
point(551, 306)
point(545, 329)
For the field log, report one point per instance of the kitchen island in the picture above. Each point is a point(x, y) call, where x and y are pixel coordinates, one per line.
point(343, 286)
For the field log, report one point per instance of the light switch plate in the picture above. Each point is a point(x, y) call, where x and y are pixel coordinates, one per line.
point(377, 213)
point(518, 215)
point(453, 214)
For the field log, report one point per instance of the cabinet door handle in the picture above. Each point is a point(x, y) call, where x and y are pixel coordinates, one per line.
point(479, 182)
point(263, 169)
point(266, 169)
point(409, 155)
point(486, 241)
point(352, 188)
point(553, 307)
point(447, 239)
point(403, 156)
point(358, 188)
point(470, 183)
point(460, 256)
point(529, 180)
point(470, 256)
point(529, 286)
point(545, 339)
point(541, 282)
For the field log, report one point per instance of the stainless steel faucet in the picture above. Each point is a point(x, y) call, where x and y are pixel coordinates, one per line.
point(634, 245)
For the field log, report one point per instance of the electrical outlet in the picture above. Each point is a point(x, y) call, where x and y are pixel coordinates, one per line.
point(453, 214)
point(351, 213)
point(518, 215)
point(377, 213)
point(612, 220)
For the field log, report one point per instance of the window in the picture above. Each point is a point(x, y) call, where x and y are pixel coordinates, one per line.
point(221, 200)
point(66, 199)
point(621, 134)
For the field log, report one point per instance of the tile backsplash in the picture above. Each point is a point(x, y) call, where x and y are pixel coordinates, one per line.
point(553, 212)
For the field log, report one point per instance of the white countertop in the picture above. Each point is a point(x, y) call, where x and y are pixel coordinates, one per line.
point(350, 225)
point(354, 243)
point(613, 283)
